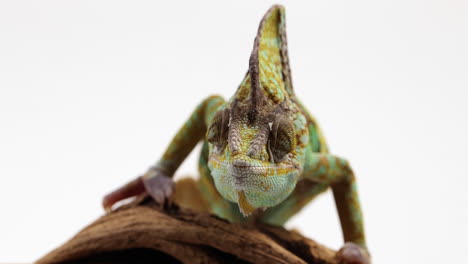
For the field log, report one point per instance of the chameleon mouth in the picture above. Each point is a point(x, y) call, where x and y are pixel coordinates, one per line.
point(241, 173)
point(241, 166)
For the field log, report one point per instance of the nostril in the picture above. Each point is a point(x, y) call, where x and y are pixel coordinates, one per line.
point(253, 151)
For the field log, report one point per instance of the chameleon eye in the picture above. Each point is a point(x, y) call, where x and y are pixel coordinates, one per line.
point(282, 138)
point(217, 133)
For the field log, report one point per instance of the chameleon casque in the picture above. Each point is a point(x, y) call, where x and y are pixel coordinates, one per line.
point(263, 155)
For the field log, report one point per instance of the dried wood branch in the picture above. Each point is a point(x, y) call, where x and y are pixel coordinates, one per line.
point(141, 232)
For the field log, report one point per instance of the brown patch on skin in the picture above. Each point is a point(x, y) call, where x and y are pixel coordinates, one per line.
point(324, 161)
point(299, 134)
point(253, 70)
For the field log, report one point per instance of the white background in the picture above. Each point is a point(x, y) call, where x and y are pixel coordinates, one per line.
point(91, 92)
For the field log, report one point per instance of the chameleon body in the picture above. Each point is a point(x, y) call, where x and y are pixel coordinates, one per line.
point(263, 156)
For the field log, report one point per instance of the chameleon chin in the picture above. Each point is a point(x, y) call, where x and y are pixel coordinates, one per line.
point(261, 150)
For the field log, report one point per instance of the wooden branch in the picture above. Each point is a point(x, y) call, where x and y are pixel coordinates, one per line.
point(142, 233)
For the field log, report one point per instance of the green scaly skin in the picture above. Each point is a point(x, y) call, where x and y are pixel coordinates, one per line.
point(263, 156)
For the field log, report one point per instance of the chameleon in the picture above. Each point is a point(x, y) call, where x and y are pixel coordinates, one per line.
point(263, 155)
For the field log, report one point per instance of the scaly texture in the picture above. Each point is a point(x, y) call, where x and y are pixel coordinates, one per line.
point(264, 156)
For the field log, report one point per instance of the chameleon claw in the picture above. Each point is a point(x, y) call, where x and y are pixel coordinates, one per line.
point(352, 253)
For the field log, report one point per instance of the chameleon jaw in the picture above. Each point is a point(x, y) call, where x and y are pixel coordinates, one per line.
point(253, 186)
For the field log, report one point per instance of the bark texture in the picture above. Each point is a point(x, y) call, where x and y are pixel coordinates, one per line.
point(141, 232)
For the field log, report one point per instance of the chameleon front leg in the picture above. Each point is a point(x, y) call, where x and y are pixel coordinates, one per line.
point(157, 181)
point(336, 172)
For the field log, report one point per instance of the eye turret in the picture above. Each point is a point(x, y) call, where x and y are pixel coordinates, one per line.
point(282, 138)
point(217, 133)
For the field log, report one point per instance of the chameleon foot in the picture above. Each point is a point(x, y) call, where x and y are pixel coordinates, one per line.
point(351, 253)
point(160, 187)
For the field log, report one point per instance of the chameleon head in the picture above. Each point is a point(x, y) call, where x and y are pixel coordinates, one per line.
point(257, 140)
point(256, 162)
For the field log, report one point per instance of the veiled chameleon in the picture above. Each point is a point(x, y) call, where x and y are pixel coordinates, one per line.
point(263, 156)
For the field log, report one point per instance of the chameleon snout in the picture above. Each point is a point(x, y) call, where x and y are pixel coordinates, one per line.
point(240, 170)
point(240, 163)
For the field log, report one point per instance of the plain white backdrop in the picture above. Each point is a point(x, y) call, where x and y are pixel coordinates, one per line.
point(91, 92)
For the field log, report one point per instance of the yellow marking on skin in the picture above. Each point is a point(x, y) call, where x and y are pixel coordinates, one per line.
point(271, 171)
point(245, 207)
point(213, 163)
